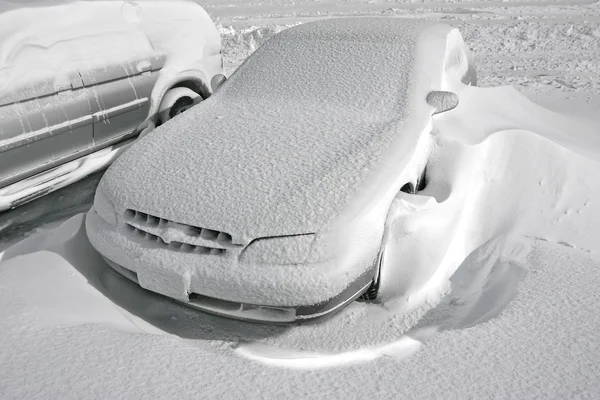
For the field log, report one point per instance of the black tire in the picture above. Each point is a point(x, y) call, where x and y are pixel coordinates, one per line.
point(372, 292)
point(181, 105)
point(408, 188)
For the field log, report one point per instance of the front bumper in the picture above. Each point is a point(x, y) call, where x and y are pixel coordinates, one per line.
point(268, 314)
point(221, 285)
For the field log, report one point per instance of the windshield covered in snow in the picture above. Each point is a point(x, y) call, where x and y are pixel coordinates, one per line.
point(367, 68)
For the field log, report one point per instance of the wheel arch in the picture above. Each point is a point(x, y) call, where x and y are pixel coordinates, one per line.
point(192, 79)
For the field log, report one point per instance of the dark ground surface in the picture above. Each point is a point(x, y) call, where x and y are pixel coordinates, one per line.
point(58, 206)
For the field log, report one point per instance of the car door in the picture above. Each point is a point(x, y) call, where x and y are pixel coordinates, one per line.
point(120, 96)
point(116, 109)
point(145, 74)
point(42, 123)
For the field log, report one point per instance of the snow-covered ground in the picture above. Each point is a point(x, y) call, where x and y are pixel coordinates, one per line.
point(521, 318)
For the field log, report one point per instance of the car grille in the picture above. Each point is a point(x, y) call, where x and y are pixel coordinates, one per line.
point(176, 236)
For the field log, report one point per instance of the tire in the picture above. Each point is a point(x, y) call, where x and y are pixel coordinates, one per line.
point(372, 293)
point(175, 102)
point(181, 105)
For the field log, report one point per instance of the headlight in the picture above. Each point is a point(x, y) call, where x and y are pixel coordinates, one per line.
point(282, 250)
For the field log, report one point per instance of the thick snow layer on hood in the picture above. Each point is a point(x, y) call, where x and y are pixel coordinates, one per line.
point(288, 141)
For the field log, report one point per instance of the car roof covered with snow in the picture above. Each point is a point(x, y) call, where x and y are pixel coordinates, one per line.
point(42, 41)
point(288, 140)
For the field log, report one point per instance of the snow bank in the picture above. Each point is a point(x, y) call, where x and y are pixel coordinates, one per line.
point(536, 53)
point(493, 132)
point(520, 319)
point(50, 256)
point(511, 47)
point(238, 43)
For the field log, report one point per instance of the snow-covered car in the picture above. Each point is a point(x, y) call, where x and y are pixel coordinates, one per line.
point(80, 80)
point(271, 200)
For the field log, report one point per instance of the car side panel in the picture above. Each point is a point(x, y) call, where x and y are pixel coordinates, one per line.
point(144, 84)
point(119, 111)
point(38, 132)
point(112, 101)
point(76, 135)
point(119, 98)
point(60, 121)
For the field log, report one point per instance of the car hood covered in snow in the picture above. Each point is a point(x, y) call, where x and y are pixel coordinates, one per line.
point(288, 141)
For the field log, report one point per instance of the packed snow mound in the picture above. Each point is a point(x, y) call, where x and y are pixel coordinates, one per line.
point(510, 110)
point(278, 141)
point(238, 44)
point(542, 54)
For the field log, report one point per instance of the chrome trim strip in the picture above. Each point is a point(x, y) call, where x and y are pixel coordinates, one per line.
point(118, 110)
point(44, 133)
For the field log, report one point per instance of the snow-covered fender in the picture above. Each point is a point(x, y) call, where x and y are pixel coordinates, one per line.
point(422, 239)
point(443, 63)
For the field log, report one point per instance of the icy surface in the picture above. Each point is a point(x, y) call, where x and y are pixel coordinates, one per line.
point(520, 320)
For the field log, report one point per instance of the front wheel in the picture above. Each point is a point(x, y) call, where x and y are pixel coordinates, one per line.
point(372, 292)
point(375, 291)
point(175, 102)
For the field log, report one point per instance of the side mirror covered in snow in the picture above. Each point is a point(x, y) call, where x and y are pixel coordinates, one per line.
point(442, 101)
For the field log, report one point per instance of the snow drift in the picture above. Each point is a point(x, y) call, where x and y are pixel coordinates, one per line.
point(535, 211)
point(519, 318)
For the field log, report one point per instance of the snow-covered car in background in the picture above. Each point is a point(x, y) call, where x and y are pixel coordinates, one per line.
point(79, 81)
point(270, 201)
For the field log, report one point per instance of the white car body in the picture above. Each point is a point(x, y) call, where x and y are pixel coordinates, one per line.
point(107, 65)
point(271, 199)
